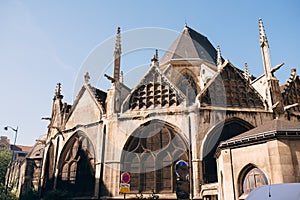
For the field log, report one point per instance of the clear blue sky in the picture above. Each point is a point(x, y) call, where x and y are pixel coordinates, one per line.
point(45, 42)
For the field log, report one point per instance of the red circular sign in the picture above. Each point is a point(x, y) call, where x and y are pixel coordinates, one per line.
point(125, 177)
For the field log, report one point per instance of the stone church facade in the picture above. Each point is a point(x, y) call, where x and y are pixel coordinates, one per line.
point(235, 131)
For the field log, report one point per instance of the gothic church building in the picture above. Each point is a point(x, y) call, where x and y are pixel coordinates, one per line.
point(235, 131)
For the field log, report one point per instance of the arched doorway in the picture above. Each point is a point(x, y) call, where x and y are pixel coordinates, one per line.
point(224, 131)
point(76, 167)
point(149, 156)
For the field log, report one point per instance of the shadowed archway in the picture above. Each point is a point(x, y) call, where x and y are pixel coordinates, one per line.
point(49, 172)
point(221, 132)
point(76, 167)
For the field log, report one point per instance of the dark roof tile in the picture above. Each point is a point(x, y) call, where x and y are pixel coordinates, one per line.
point(99, 95)
point(191, 45)
point(273, 125)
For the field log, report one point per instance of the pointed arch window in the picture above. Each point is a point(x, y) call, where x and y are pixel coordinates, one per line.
point(49, 175)
point(253, 179)
point(76, 173)
point(187, 85)
point(149, 156)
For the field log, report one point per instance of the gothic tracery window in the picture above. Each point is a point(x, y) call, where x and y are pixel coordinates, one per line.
point(149, 156)
point(77, 167)
point(253, 179)
point(187, 85)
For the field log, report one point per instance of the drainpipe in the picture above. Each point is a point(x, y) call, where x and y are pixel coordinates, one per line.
point(190, 160)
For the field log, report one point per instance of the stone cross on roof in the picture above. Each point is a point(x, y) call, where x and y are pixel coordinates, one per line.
point(87, 78)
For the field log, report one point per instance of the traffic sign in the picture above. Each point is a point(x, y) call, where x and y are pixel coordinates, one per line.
point(124, 188)
point(125, 177)
point(182, 181)
point(181, 168)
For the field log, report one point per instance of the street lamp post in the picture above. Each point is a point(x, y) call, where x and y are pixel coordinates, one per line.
point(12, 157)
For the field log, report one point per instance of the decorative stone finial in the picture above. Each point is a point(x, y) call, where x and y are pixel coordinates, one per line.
point(293, 75)
point(263, 37)
point(247, 74)
point(58, 92)
point(118, 40)
point(155, 57)
point(58, 89)
point(87, 78)
point(219, 58)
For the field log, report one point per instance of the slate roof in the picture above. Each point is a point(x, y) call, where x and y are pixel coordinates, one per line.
point(270, 129)
point(283, 86)
point(274, 125)
point(191, 45)
point(99, 95)
point(229, 88)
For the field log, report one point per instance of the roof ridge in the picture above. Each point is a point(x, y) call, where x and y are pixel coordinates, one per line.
point(193, 40)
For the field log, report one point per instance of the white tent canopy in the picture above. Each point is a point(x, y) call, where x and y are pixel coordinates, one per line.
point(289, 191)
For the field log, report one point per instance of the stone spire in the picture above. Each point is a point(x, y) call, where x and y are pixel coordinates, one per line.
point(117, 56)
point(263, 37)
point(247, 74)
point(56, 120)
point(154, 59)
point(57, 92)
point(264, 45)
point(219, 59)
point(272, 96)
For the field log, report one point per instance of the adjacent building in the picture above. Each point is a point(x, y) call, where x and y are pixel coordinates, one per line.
point(14, 170)
point(19, 151)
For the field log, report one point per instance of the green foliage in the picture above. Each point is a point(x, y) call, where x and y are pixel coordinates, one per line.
point(30, 195)
point(57, 195)
point(5, 156)
point(6, 195)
